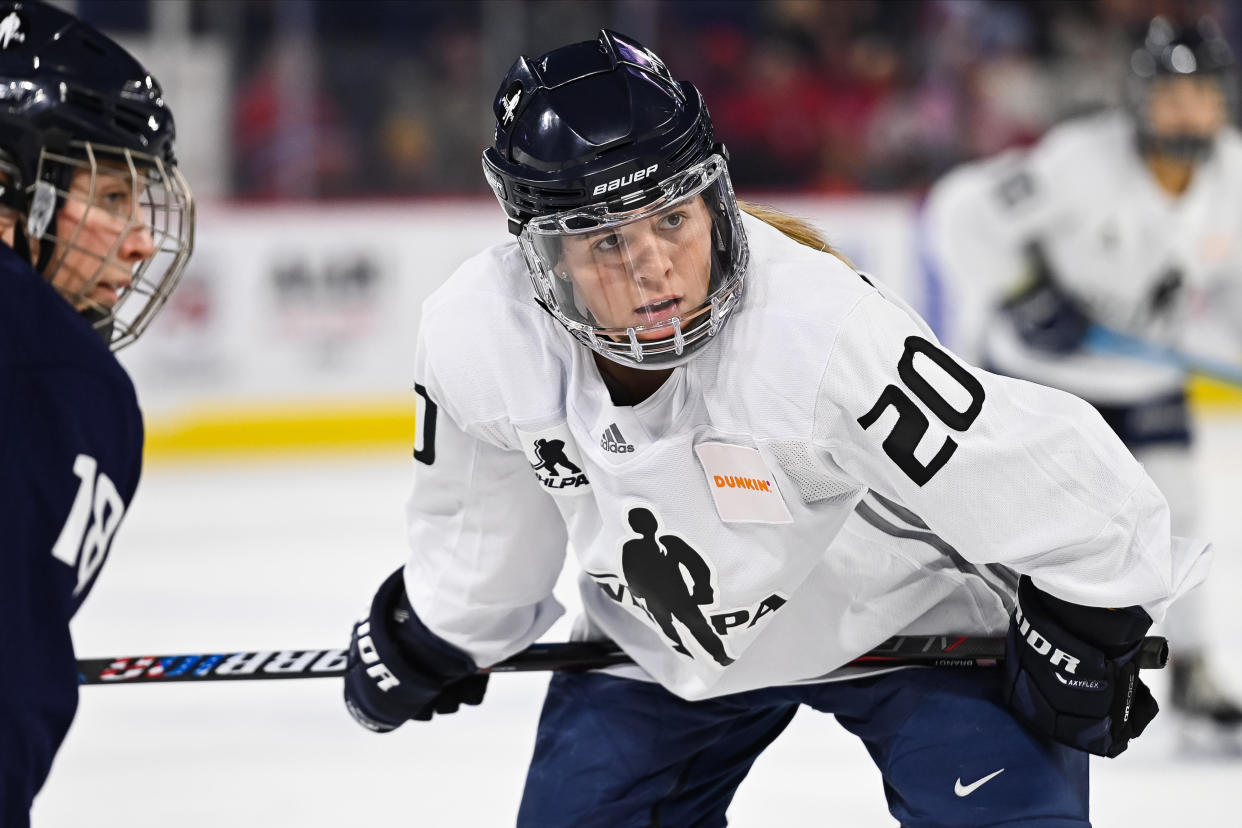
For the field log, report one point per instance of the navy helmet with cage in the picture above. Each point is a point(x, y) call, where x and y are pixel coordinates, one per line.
point(1172, 50)
point(594, 142)
point(72, 100)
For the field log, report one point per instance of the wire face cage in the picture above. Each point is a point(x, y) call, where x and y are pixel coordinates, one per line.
point(122, 228)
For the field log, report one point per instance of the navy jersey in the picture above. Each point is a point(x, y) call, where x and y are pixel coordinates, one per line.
point(70, 457)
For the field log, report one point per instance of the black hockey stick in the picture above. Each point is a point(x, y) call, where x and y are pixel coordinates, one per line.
point(902, 651)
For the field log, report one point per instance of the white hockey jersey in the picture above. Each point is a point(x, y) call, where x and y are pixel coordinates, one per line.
point(707, 521)
point(1166, 269)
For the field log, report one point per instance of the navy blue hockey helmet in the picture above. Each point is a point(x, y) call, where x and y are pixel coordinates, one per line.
point(595, 143)
point(1171, 50)
point(72, 100)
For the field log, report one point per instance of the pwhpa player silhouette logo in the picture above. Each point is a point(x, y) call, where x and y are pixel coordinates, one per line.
point(554, 456)
point(672, 584)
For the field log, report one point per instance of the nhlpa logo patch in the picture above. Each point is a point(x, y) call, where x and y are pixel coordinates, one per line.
point(554, 456)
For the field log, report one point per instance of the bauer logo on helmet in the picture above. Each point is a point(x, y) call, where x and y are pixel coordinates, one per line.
point(625, 180)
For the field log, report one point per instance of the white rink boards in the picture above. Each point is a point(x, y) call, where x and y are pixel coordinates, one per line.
point(284, 555)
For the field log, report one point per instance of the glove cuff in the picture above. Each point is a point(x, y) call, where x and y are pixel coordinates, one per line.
point(396, 628)
point(1112, 631)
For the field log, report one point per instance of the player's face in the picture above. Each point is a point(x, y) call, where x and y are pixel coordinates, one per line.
point(1186, 106)
point(644, 273)
point(102, 237)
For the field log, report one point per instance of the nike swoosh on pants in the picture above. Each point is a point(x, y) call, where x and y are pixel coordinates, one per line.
point(967, 790)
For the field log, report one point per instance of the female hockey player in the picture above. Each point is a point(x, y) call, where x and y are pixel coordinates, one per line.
point(721, 391)
point(97, 225)
point(1126, 221)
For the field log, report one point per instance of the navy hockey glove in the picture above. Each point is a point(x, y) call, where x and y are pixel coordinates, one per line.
point(1070, 671)
point(397, 669)
point(1044, 316)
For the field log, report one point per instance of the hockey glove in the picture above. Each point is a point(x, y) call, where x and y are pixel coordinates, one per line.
point(1044, 316)
point(1070, 671)
point(397, 669)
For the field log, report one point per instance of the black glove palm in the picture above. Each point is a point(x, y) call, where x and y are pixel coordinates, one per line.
point(397, 669)
point(1070, 671)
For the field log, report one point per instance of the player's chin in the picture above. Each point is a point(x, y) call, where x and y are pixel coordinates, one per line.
point(104, 296)
point(98, 298)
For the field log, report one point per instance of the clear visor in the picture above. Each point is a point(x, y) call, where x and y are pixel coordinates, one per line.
point(643, 284)
point(122, 235)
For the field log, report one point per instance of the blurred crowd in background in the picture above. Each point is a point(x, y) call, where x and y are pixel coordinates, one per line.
point(366, 98)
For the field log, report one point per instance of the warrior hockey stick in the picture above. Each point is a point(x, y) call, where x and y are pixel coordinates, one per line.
point(1108, 341)
point(902, 651)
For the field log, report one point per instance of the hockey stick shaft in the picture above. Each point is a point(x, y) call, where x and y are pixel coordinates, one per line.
point(902, 651)
point(1105, 340)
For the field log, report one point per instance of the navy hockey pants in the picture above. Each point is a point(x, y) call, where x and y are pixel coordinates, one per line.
point(617, 752)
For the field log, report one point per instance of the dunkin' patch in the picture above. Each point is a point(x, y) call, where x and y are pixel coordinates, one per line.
point(743, 488)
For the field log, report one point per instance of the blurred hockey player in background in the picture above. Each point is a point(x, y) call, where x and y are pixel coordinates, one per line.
point(721, 391)
point(97, 225)
point(1126, 222)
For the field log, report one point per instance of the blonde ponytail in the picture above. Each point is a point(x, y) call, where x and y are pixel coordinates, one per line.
point(795, 228)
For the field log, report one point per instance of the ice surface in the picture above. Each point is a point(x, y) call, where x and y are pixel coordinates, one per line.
point(254, 555)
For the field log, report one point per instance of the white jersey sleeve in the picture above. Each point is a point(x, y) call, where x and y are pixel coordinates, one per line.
point(1005, 471)
point(486, 542)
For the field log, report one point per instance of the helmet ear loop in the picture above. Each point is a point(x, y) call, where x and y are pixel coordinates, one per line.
point(45, 203)
point(39, 210)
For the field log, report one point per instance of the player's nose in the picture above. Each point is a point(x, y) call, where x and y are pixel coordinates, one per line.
point(649, 255)
point(139, 245)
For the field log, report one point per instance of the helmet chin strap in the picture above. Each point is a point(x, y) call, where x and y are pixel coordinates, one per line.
point(102, 321)
point(20, 245)
point(45, 258)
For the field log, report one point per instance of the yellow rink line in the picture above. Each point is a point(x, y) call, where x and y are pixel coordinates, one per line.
point(318, 426)
point(1215, 396)
point(312, 426)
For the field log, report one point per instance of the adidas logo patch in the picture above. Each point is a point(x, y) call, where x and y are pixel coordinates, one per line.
point(614, 442)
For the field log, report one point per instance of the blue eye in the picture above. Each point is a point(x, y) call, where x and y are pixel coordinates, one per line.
point(113, 199)
point(608, 243)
